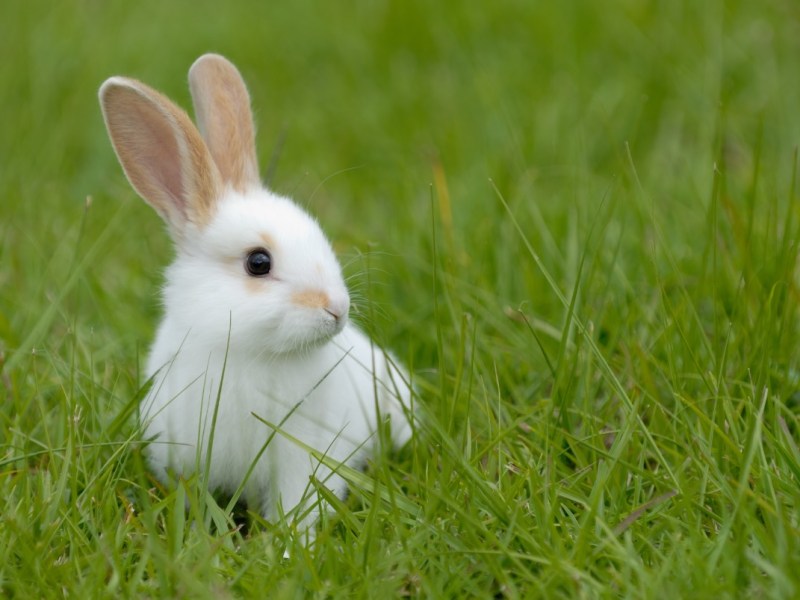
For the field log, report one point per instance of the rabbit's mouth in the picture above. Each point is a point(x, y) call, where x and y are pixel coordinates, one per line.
point(331, 324)
point(339, 322)
point(299, 333)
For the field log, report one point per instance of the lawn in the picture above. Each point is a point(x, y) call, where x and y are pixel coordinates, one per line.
point(577, 223)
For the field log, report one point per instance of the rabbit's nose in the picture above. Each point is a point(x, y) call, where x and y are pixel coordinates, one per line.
point(338, 306)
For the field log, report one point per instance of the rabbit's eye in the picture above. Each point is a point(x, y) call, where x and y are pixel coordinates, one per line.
point(258, 262)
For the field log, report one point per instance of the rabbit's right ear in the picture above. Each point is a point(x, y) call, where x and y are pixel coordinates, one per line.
point(222, 110)
point(161, 152)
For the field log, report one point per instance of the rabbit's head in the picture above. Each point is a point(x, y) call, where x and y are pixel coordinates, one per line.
point(253, 271)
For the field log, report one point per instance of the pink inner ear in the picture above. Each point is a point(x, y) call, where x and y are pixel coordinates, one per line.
point(158, 151)
point(163, 160)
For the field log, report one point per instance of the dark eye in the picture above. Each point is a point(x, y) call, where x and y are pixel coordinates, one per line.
point(258, 262)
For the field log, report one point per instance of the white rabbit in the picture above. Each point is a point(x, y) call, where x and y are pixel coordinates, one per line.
point(255, 292)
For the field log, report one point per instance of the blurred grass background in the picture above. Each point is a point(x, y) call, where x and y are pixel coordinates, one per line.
point(646, 151)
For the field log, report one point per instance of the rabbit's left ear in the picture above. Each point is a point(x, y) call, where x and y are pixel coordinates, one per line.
point(225, 120)
point(162, 153)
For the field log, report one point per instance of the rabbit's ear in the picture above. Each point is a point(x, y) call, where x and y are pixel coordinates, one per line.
point(162, 153)
point(222, 110)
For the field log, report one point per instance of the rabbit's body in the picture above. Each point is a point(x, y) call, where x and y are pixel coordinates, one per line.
point(329, 401)
point(255, 321)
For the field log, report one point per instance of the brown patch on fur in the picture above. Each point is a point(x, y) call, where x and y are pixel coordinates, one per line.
point(222, 108)
point(255, 285)
point(311, 299)
point(269, 243)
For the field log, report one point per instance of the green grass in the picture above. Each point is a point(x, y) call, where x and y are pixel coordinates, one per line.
point(578, 223)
